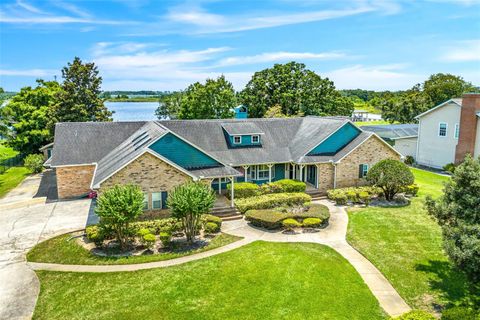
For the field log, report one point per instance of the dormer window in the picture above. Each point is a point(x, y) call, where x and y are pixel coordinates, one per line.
point(255, 139)
point(237, 139)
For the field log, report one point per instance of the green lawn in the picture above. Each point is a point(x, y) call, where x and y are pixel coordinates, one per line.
point(406, 245)
point(13, 176)
point(259, 281)
point(63, 250)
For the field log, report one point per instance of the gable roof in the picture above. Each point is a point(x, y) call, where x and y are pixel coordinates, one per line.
point(457, 101)
point(394, 131)
point(241, 128)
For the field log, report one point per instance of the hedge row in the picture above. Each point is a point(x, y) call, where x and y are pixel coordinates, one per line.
point(363, 194)
point(272, 219)
point(268, 201)
point(249, 189)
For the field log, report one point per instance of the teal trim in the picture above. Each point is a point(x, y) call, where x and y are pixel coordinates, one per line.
point(279, 171)
point(241, 112)
point(337, 141)
point(182, 153)
point(164, 199)
point(245, 141)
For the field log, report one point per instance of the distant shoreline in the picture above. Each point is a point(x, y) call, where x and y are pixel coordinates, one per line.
point(139, 99)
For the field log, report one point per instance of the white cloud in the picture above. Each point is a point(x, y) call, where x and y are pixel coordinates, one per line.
point(279, 56)
point(28, 72)
point(383, 77)
point(463, 51)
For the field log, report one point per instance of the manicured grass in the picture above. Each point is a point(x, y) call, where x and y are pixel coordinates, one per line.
point(406, 245)
point(259, 281)
point(64, 250)
point(12, 178)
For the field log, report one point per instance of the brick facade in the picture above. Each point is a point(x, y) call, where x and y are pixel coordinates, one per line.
point(468, 126)
point(325, 176)
point(74, 181)
point(369, 152)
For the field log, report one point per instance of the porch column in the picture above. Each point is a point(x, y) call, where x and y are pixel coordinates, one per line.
point(232, 180)
point(270, 172)
point(245, 168)
point(301, 172)
point(219, 185)
point(294, 171)
point(317, 176)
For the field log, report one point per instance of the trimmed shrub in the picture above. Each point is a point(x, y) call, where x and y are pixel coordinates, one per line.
point(159, 225)
point(211, 227)
point(287, 185)
point(409, 160)
point(311, 222)
point(273, 200)
point(213, 219)
point(148, 240)
point(243, 190)
point(34, 163)
point(165, 238)
point(352, 196)
point(411, 189)
point(290, 224)
point(143, 232)
point(391, 176)
point(95, 234)
point(365, 197)
point(457, 313)
point(341, 196)
point(415, 315)
point(316, 211)
point(449, 167)
point(340, 199)
point(272, 219)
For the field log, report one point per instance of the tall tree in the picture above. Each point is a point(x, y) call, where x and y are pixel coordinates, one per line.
point(296, 89)
point(79, 99)
point(28, 114)
point(169, 105)
point(443, 86)
point(458, 214)
point(405, 106)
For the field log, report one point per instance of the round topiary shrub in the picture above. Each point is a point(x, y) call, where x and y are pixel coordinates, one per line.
point(340, 199)
point(365, 197)
point(142, 232)
point(165, 238)
point(211, 218)
point(391, 176)
point(95, 234)
point(148, 240)
point(291, 224)
point(211, 227)
point(312, 222)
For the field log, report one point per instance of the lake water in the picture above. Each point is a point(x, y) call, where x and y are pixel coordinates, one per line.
point(133, 111)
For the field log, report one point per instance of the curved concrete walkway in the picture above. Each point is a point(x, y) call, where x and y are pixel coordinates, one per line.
point(332, 236)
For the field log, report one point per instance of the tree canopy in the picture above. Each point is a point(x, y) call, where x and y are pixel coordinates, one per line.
point(443, 86)
point(405, 106)
point(296, 89)
point(79, 99)
point(458, 214)
point(391, 176)
point(29, 114)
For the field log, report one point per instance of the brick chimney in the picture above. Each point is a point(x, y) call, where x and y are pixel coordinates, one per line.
point(468, 126)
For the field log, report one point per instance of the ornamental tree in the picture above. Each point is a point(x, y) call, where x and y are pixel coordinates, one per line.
point(117, 207)
point(391, 176)
point(187, 203)
point(458, 214)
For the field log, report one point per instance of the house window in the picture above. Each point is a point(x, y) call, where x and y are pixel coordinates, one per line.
point(145, 201)
point(255, 139)
point(457, 130)
point(156, 200)
point(363, 170)
point(442, 129)
point(262, 172)
point(237, 139)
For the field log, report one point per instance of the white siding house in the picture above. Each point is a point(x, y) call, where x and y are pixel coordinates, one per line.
point(438, 134)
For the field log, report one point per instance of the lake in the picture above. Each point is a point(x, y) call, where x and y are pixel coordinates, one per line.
point(133, 111)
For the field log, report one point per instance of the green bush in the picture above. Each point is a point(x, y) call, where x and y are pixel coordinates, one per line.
point(211, 227)
point(415, 315)
point(352, 196)
point(449, 167)
point(211, 218)
point(409, 160)
point(286, 185)
point(143, 232)
point(165, 238)
point(340, 199)
point(311, 222)
point(365, 197)
point(460, 313)
point(290, 223)
point(34, 162)
point(159, 225)
point(273, 200)
point(272, 219)
point(391, 176)
point(411, 189)
point(95, 234)
point(148, 240)
point(243, 190)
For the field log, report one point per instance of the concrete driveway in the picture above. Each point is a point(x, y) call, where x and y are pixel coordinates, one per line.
point(20, 230)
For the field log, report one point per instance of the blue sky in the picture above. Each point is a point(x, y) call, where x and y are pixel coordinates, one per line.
point(166, 45)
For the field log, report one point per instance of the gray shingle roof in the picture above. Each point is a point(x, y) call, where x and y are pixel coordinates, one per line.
point(394, 131)
point(241, 127)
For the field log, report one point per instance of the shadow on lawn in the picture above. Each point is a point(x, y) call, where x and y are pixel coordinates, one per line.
point(448, 281)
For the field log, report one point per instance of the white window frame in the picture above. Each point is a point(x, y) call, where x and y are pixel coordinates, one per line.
point(234, 139)
point(257, 137)
point(446, 129)
point(457, 131)
point(158, 200)
point(264, 169)
point(146, 202)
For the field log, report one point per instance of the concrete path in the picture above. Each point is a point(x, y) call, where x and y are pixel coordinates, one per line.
point(332, 236)
point(21, 229)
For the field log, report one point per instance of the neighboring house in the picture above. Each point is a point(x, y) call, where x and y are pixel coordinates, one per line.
point(160, 155)
point(365, 116)
point(47, 151)
point(449, 131)
point(403, 137)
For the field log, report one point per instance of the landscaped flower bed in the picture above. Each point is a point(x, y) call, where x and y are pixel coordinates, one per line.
point(369, 195)
point(311, 216)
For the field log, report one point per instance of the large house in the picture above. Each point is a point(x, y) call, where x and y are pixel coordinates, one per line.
point(449, 131)
point(324, 152)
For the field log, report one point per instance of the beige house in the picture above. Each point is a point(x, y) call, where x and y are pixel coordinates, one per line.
point(449, 131)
